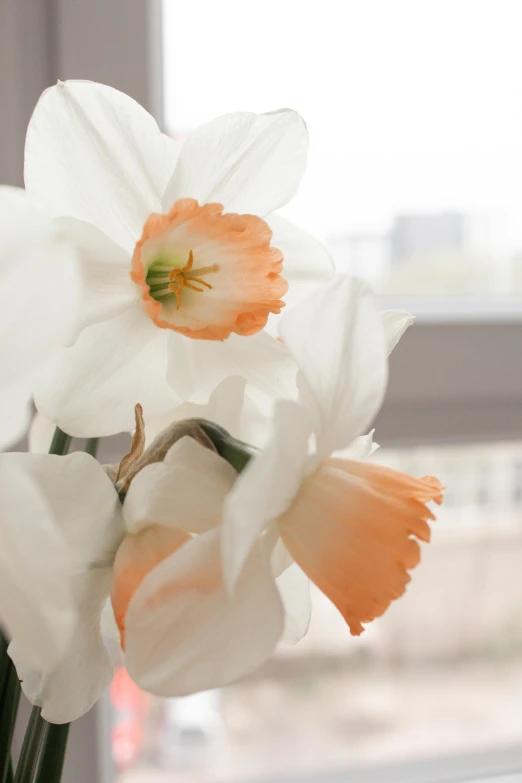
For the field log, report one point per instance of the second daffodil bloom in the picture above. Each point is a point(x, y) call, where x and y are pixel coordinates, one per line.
point(158, 558)
point(351, 526)
point(182, 257)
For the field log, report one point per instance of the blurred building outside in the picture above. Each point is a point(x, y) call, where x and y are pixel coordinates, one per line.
point(435, 253)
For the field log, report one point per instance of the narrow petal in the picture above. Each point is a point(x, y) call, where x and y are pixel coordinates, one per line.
point(35, 605)
point(247, 162)
point(95, 154)
point(184, 634)
point(196, 367)
point(74, 685)
point(395, 324)
point(187, 490)
point(91, 389)
point(106, 289)
point(265, 489)
point(337, 340)
point(294, 589)
point(352, 530)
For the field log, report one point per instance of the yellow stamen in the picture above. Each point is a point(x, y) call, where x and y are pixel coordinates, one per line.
point(178, 278)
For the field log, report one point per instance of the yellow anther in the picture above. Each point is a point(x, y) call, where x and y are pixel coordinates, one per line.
point(186, 277)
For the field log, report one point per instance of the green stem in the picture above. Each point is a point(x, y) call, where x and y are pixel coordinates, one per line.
point(10, 698)
point(53, 753)
point(60, 443)
point(4, 660)
point(235, 451)
point(30, 748)
point(91, 446)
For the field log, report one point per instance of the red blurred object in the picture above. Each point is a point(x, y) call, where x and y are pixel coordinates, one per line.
point(131, 706)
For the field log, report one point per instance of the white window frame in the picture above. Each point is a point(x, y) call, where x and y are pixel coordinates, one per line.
point(452, 378)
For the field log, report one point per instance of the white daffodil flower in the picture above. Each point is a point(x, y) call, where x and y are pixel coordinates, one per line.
point(349, 525)
point(158, 557)
point(38, 299)
point(181, 252)
point(233, 408)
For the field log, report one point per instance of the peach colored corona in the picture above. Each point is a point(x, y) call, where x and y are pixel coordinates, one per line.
point(207, 274)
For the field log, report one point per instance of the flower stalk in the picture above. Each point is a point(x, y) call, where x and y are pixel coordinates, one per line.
point(9, 700)
point(52, 756)
point(31, 747)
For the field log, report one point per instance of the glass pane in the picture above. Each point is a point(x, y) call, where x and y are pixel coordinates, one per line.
point(415, 121)
point(439, 674)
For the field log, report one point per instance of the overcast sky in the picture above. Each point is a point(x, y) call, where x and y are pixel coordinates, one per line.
point(411, 104)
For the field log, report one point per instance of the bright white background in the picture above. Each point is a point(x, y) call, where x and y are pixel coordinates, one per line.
point(412, 105)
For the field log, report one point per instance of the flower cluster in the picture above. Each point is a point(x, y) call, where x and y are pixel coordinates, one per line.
point(143, 286)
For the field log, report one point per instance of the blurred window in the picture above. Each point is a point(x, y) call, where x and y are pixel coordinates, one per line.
point(415, 123)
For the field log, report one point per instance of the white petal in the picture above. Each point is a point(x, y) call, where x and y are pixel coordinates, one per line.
point(91, 389)
point(82, 500)
point(228, 406)
point(249, 163)
point(109, 627)
point(360, 449)
point(38, 299)
point(224, 407)
point(306, 261)
point(106, 289)
point(280, 558)
point(294, 589)
point(16, 409)
point(86, 510)
point(41, 434)
point(95, 154)
point(184, 634)
point(337, 340)
point(69, 690)
point(306, 264)
point(196, 367)
point(35, 606)
point(186, 490)
point(395, 324)
point(24, 222)
point(265, 488)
